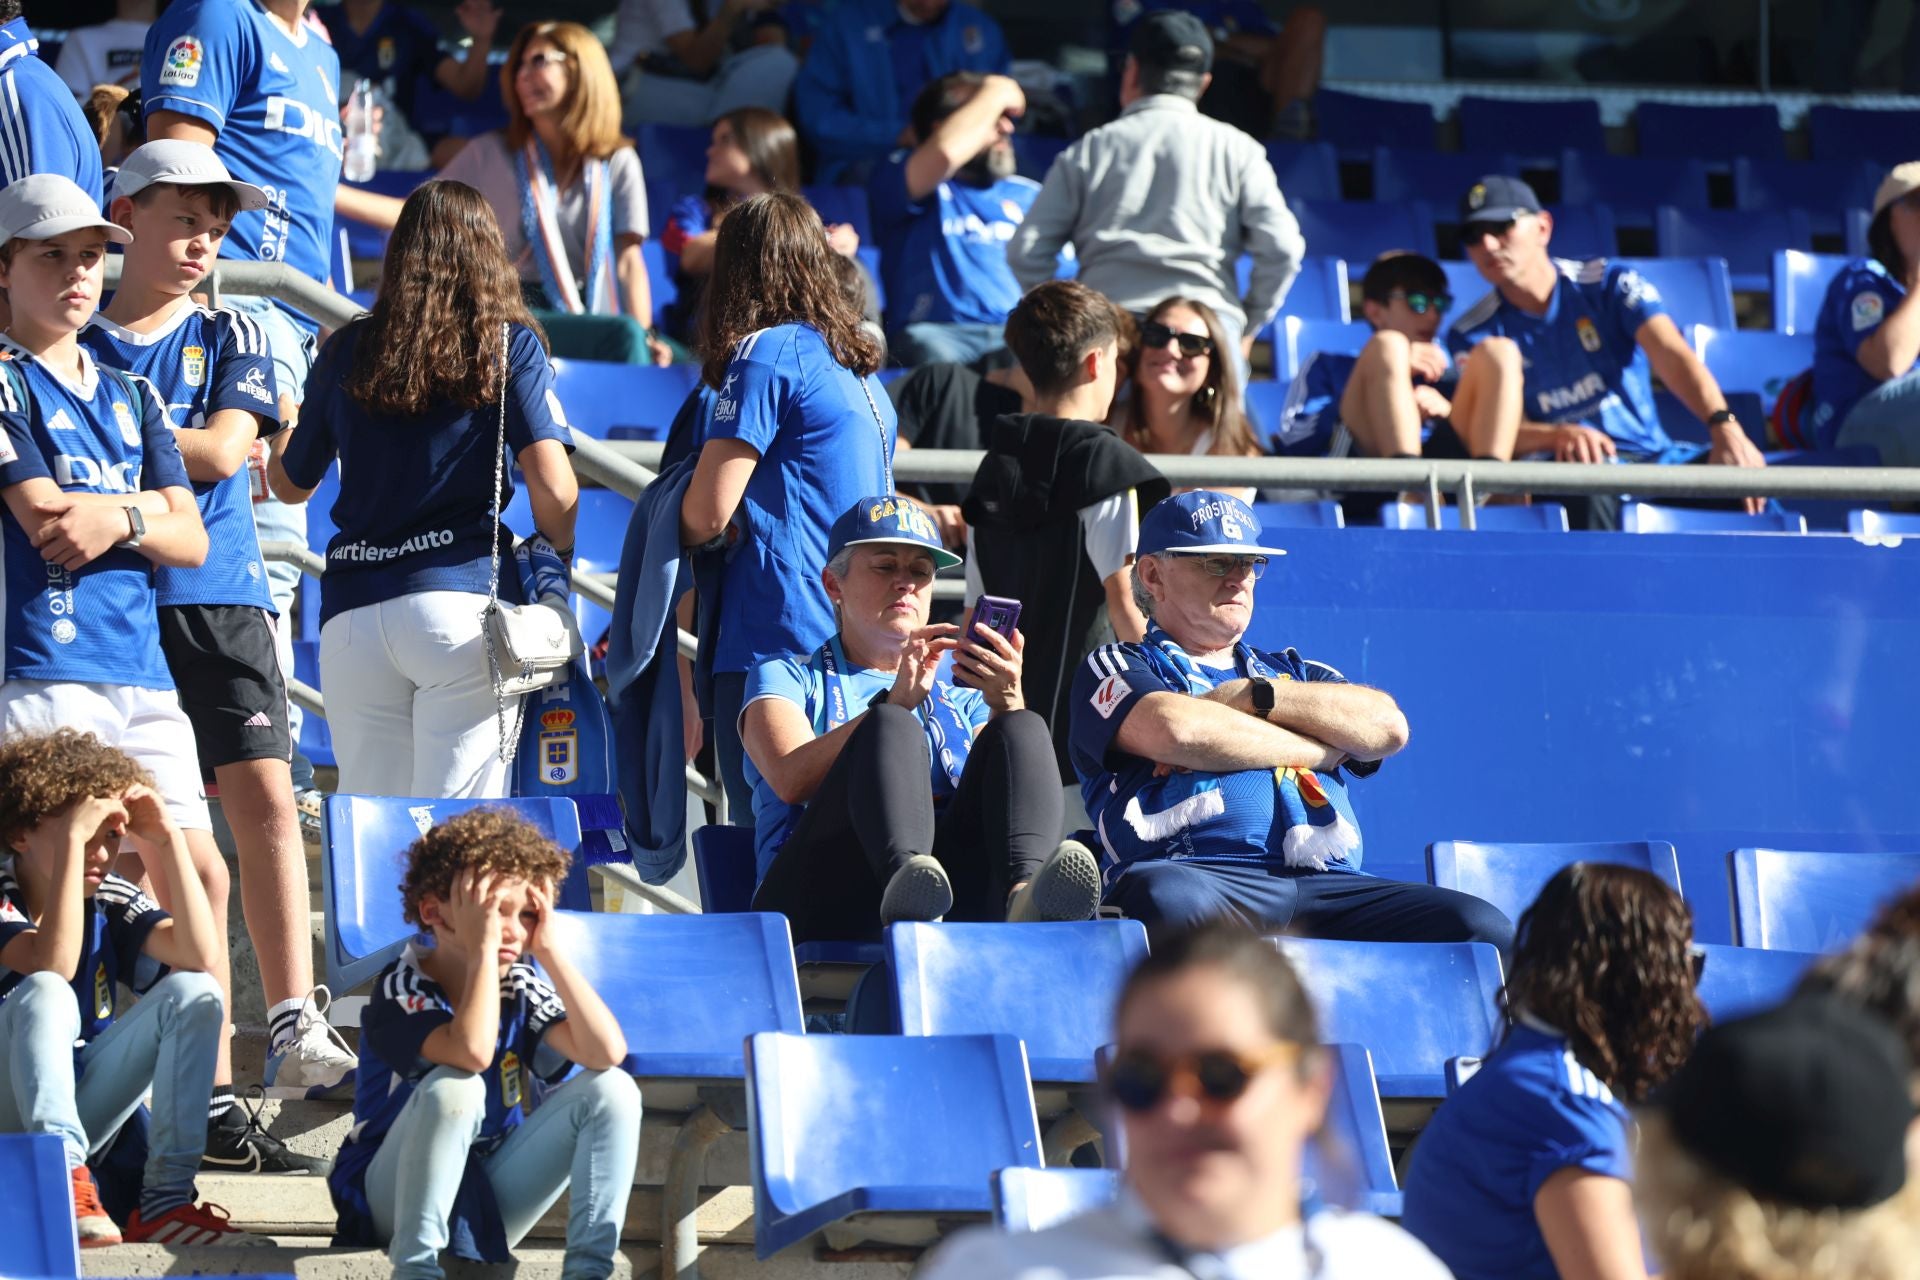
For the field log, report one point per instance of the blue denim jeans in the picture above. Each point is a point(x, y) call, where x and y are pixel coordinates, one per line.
point(1888, 418)
point(931, 343)
point(586, 1133)
point(166, 1042)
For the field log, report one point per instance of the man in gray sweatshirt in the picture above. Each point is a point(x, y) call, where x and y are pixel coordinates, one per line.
point(1164, 200)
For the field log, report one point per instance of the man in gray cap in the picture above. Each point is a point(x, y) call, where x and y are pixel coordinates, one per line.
point(1164, 200)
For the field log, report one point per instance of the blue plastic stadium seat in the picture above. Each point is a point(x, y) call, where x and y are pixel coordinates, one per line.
point(1800, 283)
point(1807, 901)
point(1296, 339)
point(1856, 224)
point(1466, 284)
point(1885, 138)
point(1746, 238)
point(1583, 231)
point(1864, 522)
point(1299, 515)
point(364, 841)
point(869, 257)
point(1306, 170)
point(1461, 1070)
point(316, 739)
point(710, 982)
point(659, 275)
point(1510, 876)
point(842, 204)
point(1319, 292)
point(1035, 1199)
point(1647, 517)
point(1541, 517)
point(1681, 425)
point(840, 1125)
point(1266, 405)
point(1719, 135)
point(1034, 153)
point(674, 155)
point(1743, 980)
point(1412, 1004)
point(1756, 360)
point(1440, 178)
point(723, 866)
point(1360, 230)
point(1693, 290)
point(1536, 128)
point(1355, 1123)
point(1825, 191)
point(1054, 986)
point(1632, 186)
point(598, 395)
point(1356, 123)
point(39, 1239)
point(600, 530)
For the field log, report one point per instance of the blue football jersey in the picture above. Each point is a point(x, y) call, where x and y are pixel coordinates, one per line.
point(41, 128)
point(201, 363)
point(1583, 361)
point(274, 101)
point(1858, 302)
point(946, 253)
point(114, 927)
point(96, 624)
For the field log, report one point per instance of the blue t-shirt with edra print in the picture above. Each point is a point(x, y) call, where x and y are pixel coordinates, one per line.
point(108, 434)
point(831, 698)
point(1529, 1112)
point(945, 254)
point(415, 511)
point(41, 127)
point(114, 925)
point(1858, 302)
point(274, 101)
point(824, 443)
point(202, 362)
point(1583, 360)
point(1242, 817)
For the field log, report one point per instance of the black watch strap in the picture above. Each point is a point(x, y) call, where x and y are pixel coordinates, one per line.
point(879, 698)
point(1719, 416)
point(1262, 689)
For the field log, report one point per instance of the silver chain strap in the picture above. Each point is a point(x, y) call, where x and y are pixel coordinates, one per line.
point(880, 425)
point(509, 737)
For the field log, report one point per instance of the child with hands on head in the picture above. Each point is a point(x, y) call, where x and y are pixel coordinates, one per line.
point(458, 1029)
point(70, 930)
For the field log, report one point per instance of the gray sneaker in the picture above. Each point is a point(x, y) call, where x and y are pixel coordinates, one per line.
point(1067, 887)
point(918, 890)
point(308, 803)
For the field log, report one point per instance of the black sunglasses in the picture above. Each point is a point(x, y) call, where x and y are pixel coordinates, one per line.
point(1421, 303)
point(1138, 1080)
point(1155, 334)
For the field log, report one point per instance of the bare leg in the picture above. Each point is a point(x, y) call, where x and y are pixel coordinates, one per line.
point(1486, 405)
point(1378, 406)
point(257, 796)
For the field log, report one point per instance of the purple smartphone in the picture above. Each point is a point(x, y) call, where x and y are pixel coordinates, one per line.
point(994, 613)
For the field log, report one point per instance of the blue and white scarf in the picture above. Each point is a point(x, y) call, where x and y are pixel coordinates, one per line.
point(540, 220)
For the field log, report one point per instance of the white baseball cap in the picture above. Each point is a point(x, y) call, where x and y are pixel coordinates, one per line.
point(41, 206)
point(185, 164)
point(1903, 178)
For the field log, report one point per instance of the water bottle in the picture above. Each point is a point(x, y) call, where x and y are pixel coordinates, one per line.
point(363, 145)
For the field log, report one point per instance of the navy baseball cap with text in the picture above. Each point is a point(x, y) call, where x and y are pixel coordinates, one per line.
point(1497, 198)
point(887, 518)
point(1202, 523)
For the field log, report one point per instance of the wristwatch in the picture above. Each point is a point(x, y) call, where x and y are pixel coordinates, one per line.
point(1262, 690)
point(1719, 416)
point(137, 523)
point(879, 698)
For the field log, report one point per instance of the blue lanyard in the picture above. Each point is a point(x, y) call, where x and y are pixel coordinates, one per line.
point(836, 691)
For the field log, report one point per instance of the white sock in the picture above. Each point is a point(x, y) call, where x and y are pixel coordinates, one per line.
point(281, 1020)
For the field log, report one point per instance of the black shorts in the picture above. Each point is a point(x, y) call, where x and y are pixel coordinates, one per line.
point(228, 673)
point(1441, 442)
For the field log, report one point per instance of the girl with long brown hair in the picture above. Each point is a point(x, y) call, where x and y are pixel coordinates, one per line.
point(801, 430)
point(1525, 1172)
point(410, 401)
point(568, 192)
point(1184, 396)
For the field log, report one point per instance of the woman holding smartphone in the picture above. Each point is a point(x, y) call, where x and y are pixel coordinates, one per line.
point(881, 791)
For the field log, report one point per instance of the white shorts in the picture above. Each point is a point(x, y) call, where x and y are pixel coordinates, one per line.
point(147, 724)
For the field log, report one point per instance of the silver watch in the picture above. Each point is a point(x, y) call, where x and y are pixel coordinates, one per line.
point(136, 522)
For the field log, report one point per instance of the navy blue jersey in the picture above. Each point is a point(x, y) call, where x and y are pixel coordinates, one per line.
point(1858, 302)
point(274, 100)
point(945, 254)
point(415, 506)
point(201, 363)
point(1531, 1111)
point(1583, 358)
point(824, 444)
point(113, 934)
point(405, 1008)
point(96, 624)
point(41, 128)
point(397, 52)
point(1252, 816)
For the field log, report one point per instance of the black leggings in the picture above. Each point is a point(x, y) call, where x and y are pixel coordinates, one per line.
point(874, 810)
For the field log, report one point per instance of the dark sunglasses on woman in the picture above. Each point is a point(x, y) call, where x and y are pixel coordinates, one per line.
point(1138, 1080)
point(1154, 334)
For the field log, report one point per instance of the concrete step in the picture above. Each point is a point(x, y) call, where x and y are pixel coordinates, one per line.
point(533, 1261)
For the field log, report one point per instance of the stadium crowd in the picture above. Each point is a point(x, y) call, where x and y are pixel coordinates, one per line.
point(893, 765)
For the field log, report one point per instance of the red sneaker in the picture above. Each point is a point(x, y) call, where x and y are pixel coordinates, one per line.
point(90, 1222)
point(191, 1225)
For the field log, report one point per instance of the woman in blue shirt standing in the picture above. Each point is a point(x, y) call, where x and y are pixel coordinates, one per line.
point(410, 400)
point(1866, 389)
point(1525, 1173)
point(801, 430)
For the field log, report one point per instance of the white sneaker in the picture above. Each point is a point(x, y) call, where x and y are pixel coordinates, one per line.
point(315, 1062)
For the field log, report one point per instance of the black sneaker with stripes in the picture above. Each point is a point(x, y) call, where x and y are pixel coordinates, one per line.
point(238, 1143)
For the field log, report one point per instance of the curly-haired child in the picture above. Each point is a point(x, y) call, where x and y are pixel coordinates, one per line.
point(441, 1151)
point(70, 930)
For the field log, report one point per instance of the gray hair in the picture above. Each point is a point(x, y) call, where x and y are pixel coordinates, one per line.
point(1141, 598)
point(842, 562)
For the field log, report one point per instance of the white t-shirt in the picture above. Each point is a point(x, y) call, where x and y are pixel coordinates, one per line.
point(641, 27)
point(485, 165)
point(1114, 1244)
point(1111, 530)
point(106, 54)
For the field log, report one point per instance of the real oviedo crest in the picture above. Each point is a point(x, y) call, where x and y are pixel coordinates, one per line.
point(559, 748)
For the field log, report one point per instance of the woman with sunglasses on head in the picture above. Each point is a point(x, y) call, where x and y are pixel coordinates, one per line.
point(1220, 1085)
point(1525, 1173)
point(1184, 395)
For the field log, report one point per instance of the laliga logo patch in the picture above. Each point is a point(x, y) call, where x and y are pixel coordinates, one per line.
point(193, 365)
point(1867, 311)
point(129, 429)
point(1589, 336)
point(180, 66)
point(422, 815)
point(1108, 697)
point(559, 748)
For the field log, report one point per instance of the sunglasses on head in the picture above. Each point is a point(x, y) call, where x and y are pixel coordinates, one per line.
point(1421, 303)
point(1138, 1080)
point(1155, 334)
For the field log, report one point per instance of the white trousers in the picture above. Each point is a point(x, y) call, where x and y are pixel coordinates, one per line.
point(147, 724)
point(410, 698)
